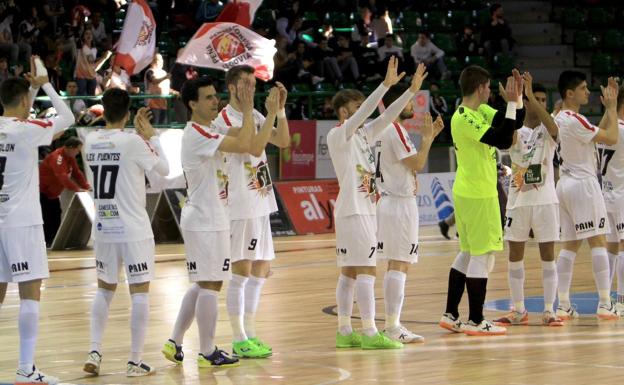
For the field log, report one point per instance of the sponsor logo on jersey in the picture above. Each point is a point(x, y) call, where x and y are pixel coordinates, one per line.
point(19, 267)
point(137, 267)
point(102, 146)
point(99, 226)
point(367, 183)
point(584, 226)
point(259, 178)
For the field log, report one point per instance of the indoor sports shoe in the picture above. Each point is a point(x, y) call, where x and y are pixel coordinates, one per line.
point(260, 343)
point(403, 335)
point(620, 308)
point(92, 364)
point(566, 313)
point(485, 328)
point(550, 319)
point(248, 349)
point(607, 311)
point(218, 358)
point(173, 352)
point(451, 323)
point(379, 341)
point(139, 369)
point(513, 318)
point(34, 377)
point(353, 340)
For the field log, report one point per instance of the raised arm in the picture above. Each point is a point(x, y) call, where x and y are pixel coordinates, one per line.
point(263, 136)
point(241, 143)
point(428, 133)
point(542, 113)
point(608, 127)
point(281, 136)
point(145, 129)
point(501, 132)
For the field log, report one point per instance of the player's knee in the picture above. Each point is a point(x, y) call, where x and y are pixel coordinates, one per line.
point(107, 286)
point(30, 289)
point(479, 266)
point(401, 266)
point(242, 268)
point(461, 262)
point(210, 285)
point(260, 269)
point(142, 287)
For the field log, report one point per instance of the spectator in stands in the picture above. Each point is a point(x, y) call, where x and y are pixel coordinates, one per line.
point(157, 82)
point(99, 30)
point(367, 59)
point(289, 27)
point(179, 74)
point(346, 60)
point(117, 77)
point(5, 72)
point(467, 45)
point(28, 29)
point(363, 27)
point(52, 66)
point(59, 171)
point(437, 103)
point(382, 25)
point(77, 106)
point(8, 46)
point(388, 49)
point(496, 34)
point(87, 64)
point(53, 9)
point(424, 51)
point(208, 10)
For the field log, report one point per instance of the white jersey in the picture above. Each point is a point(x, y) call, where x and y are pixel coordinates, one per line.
point(118, 161)
point(532, 181)
point(251, 187)
point(206, 179)
point(19, 171)
point(354, 163)
point(577, 152)
point(612, 169)
point(394, 177)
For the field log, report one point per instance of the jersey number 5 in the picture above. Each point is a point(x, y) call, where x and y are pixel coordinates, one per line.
point(102, 174)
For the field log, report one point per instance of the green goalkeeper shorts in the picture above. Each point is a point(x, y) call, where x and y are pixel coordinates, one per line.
point(478, 223)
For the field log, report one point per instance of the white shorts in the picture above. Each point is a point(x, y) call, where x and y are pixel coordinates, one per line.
point(207, 255)
point(397, 229)
point(23, 254)
point(616, 222)
point(582, 209)
point(251, 239)
point(137, 258)
point(356, 240)
point(543, 219)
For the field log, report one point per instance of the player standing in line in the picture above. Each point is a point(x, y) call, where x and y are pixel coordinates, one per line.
point(532, 204)
point(356, 225)
point(253, 200)
point(23, 257)
point(477, 128)
point(611, 167)
point(118, 160)
point(582, 210)
point(397, 209)
point(205, 219)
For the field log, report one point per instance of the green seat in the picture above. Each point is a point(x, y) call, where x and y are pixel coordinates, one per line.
point(453, 65)
point(459, 19)
point(584, 41)
point(483, 17)
point(572, 18)
point(301, 87)
point(338, 19)
point(612, 40)
point(310, 16)
point(408, 40)
point(437, 21)
point(602, 64)
point(476, 60)
point(598, 18)
point(411, 20)
point(446, 42)
point(324, 86)
point(503, 64)
point(447, 85)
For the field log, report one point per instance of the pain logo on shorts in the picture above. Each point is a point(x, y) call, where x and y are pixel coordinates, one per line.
point(224, 183)
point(259, 178)
point(367, 183)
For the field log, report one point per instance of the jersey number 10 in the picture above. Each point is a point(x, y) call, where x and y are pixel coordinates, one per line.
point(102, 174)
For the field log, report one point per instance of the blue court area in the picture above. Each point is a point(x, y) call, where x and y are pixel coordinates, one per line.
point(586, 303)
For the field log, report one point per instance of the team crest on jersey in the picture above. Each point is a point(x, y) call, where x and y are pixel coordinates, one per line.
point(103, 146)
point(367, 183)
point(224, 183)
point(259, 178)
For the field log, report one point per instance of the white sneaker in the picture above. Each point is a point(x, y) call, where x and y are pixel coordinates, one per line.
point(403, 335)
point(485, 328)
point(607, 311)
point(451, 323)
point(139, 370)
point(566, 313)
point(35, 377)
point(92, 364)
point(620, 308)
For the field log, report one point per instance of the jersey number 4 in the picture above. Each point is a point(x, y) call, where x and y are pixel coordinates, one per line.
point(2, 167)
point(104, 180)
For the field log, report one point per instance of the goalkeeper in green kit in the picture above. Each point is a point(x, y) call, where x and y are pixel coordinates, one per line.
point(477, 131)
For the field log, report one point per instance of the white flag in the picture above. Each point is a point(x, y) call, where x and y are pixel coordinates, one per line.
point(137, 44)
point(225, 45)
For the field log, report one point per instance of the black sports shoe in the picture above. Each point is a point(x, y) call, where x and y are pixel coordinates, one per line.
point(217, 358)
point(444, 228)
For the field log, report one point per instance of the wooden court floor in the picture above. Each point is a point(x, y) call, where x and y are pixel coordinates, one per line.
point(296, 318)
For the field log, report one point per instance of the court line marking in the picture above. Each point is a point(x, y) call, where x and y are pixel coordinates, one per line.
point(559, 363)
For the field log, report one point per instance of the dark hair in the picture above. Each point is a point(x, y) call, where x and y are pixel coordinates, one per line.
point(471, 78)
point(72, 142)
point(537, 87)
point(190, 89)
point(494, 7)
point(343, 97)
point(620, 98)
point(569, 80)
point(394, 93)
point(390, 35)
point(234, 73)
point(116, 103)
point(12, 90)
point(426, 34)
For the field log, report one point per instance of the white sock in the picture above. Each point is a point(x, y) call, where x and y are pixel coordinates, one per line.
point(600, 267)
point(565, 265)
point(612, 261)
point(235, 301)
point(206, 312)
point(365, 298)
point(99, 317)
point(549, 280)
point(515, 274)
point(186, 314)
point(28, 322)
point(344, 299)
point(138, 325)
point(620, 276)
point(394, 292)
point(253, 288)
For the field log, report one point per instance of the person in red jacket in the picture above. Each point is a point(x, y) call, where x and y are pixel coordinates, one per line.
point(57, 172)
